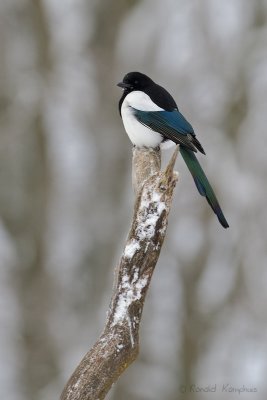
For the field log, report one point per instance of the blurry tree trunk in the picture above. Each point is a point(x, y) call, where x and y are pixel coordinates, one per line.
point(23, 198)
point(118, 345)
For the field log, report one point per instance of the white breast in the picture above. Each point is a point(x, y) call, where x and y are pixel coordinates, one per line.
point(140, 135)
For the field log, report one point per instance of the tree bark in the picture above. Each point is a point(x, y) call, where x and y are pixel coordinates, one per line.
point(118, 345)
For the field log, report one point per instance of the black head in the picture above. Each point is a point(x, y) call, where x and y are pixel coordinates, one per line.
point(135, 81)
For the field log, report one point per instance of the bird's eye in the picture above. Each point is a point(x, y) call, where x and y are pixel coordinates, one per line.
point(136, 82)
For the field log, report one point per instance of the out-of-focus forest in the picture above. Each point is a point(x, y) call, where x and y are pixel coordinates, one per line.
point(66, 197)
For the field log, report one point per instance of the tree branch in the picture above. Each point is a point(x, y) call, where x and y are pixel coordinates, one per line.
point(118, 345)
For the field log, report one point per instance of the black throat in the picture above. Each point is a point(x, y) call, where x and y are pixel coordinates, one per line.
point(124, 94)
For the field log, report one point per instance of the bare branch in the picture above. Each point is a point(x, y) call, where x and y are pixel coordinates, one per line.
point(118, 345)
point(146, 162)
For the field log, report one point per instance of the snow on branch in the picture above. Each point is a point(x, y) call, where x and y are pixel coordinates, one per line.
point(118, 345)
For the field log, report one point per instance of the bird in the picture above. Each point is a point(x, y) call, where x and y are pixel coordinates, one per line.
point(151, 118)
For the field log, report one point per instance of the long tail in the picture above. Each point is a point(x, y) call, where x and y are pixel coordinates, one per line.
point(202, 183)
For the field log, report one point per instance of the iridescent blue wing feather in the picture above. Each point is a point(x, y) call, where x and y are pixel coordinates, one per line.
point(171, 124)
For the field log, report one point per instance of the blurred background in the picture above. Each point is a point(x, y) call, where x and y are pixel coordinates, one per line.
point(66, 197)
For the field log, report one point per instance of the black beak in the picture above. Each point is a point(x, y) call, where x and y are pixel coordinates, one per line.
point(124, 85)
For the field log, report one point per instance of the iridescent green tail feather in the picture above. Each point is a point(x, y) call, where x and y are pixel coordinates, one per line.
point(202, 183)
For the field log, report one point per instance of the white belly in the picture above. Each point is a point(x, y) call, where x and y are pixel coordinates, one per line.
point(140, 135)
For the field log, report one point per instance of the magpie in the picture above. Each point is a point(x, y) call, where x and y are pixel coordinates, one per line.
point(151, 118)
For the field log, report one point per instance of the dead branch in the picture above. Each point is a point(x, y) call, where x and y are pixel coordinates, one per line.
point(118, 345)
